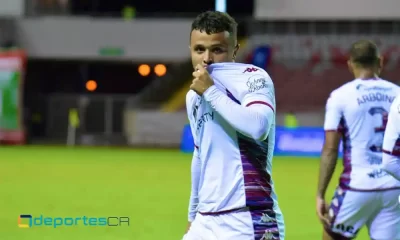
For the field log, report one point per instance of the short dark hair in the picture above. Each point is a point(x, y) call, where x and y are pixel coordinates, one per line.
point(215, 22)
point(365, 53)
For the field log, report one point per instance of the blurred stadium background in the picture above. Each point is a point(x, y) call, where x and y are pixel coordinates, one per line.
point(110, 77)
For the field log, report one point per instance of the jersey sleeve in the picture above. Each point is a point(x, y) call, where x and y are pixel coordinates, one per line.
point(391, 141)
point(333, 113)
point(196, 163)
point(259, 91)
point(191, 108)
point(195, 181)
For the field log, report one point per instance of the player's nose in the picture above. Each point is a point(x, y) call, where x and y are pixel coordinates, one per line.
point(207, 59)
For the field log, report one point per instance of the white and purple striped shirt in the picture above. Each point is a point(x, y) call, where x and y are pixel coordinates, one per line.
point(233, 126)
point(391, 141)
point(359, 111)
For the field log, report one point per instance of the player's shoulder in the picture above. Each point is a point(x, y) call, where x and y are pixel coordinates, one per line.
point(396, 102)
point(395, 107)
point(240, 76)
point(389, 85)
point(344, 89)
point(240, 70)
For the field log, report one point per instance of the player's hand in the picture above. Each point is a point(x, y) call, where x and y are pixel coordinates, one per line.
point(322, 212)
point(202, 80)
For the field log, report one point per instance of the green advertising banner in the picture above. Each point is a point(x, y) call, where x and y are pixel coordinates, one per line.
point(11, 109)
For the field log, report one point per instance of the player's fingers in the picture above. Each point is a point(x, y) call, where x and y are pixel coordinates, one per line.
point(326, 222)
point(321, 215)
point(200, 67)
point(196, 74)
point(194, 83)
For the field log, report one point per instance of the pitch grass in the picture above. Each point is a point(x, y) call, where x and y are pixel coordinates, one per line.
point(150, 186)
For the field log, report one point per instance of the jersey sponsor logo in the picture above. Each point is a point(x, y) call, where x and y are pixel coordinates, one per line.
point(374, 88)
point(256, 82)
point(206, 117)
point(344, 228)
point(375, 97)
point(195, 111)
point(196, 107)
point(250, 70)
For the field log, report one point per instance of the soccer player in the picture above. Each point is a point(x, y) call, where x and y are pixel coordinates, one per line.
point(231, 108)
point(357, 112)
point(391, 141)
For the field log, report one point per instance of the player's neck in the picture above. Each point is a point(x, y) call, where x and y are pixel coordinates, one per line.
point(366, 74)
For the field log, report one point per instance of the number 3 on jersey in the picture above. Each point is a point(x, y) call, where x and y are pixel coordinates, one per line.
point(380, 129)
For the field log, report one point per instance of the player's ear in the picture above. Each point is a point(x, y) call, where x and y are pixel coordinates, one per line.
point(350, 65)
point(381, 61)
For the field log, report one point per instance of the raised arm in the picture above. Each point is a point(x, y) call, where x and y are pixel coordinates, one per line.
point(252, 117)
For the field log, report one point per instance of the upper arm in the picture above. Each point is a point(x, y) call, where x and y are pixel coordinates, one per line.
point(259, 90)
point(333, 113)
point(259, 96)
point(333, 117)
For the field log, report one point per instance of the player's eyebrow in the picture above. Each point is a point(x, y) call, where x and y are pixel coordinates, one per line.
point(211, 46)
point(198, 45)
point(218, 45)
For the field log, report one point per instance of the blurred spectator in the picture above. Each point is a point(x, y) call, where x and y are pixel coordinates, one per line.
point(260, 57)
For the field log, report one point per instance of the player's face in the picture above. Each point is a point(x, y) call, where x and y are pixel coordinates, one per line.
point(212, 48)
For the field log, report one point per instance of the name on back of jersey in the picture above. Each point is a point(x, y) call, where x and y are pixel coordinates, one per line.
point(375, 97)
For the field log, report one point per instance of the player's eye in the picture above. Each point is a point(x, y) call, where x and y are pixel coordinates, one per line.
point(199, 49)
point(218, 50)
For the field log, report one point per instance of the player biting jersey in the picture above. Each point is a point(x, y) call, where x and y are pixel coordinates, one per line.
point(391, 141)
point(231, 108)
point(357, 112)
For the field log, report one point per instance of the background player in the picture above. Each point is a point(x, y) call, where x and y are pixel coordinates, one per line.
point(357, 112)
point(232, 118)
point(391, 141)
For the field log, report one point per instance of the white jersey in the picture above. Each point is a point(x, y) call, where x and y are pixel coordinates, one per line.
point(359, 110)
point(391, 142)
point(235, 169)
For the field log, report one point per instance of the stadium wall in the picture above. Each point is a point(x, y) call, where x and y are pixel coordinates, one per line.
point(152, 128)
